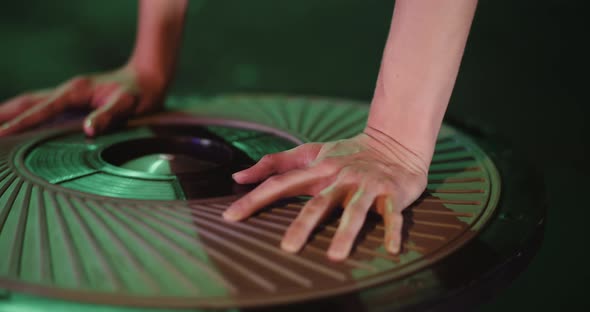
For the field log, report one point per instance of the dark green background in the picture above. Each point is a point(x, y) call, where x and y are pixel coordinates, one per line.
point(522, 80)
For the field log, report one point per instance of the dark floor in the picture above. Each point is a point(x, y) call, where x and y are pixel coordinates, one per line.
point(521, 80)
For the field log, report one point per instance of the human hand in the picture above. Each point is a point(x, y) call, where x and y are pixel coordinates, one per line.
point(113, 96)
point(368, 171)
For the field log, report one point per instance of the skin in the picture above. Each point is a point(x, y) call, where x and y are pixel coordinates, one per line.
point(384, 168)
point(354, 173)
point(137, 88)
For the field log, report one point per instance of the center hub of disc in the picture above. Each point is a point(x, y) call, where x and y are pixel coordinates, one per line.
point(167, 161)
point(169, 155)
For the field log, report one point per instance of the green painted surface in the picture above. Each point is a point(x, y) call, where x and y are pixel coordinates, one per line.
point(133, 248)
point(521, 78)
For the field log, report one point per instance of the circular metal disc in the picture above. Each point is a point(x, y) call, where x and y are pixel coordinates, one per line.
point(76, 226)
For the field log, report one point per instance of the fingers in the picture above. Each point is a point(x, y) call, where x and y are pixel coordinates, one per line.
point(36, 113)
point(27, 111)
point(71, 93)
point(278, 163)
point(118, 105)
point(351, 222)
point(393, 220)
point(310, 216)
point(17, 105)
point(292, 183)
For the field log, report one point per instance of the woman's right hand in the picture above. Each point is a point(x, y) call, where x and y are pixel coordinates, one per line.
point(111, 96)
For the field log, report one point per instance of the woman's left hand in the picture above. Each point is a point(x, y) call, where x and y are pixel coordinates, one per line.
point(368, 171)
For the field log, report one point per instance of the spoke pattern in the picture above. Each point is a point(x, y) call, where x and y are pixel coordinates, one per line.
point(74, 229)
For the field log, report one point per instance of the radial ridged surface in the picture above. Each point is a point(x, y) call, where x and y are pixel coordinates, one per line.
point(61, 237)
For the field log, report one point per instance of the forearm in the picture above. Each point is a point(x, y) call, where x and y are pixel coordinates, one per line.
point(418, 71)
point(159, 33)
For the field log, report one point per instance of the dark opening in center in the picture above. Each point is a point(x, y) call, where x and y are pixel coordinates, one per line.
point(200, 166)
point(169, 155)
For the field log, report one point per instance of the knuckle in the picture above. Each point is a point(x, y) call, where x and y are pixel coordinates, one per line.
point(75, 89)
point(327, 165)
point(124, 96)
point(384, 185)
point(272, 182)
point(318, 200)
point(308, 150)
point(268, 158)
point(320, 187)
point(272, 156)
point(24, 98)
point(76, 82)
point(315, 205)
point(348, 176)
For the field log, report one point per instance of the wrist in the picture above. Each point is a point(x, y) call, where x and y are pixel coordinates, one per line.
point(149, 86)
point(396, 150)
point(414, 125)
point(147, 77)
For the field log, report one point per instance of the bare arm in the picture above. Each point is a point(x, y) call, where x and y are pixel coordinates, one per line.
point(384, 168)
point(159, 33)
point(418, 71)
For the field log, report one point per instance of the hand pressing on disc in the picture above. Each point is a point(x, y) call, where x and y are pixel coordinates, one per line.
point(136, 88)
point(385, 167)
point(368, 171)
point(113, 96)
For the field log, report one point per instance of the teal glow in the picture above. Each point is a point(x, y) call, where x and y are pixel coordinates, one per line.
point(157, 164)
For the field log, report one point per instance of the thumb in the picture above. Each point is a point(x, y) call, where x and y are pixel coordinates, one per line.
point(118, 105)
point(277, 163)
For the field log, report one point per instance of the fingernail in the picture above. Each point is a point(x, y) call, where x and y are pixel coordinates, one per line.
point(336, 255)
point(231, 215)
point(238, 175)
point(392, 247)
point(88, 128)
point(289, 246)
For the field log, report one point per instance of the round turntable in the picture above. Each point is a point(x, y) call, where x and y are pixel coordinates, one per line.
point(133, 218)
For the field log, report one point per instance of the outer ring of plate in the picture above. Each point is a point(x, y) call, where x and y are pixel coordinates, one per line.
point(17, 158)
